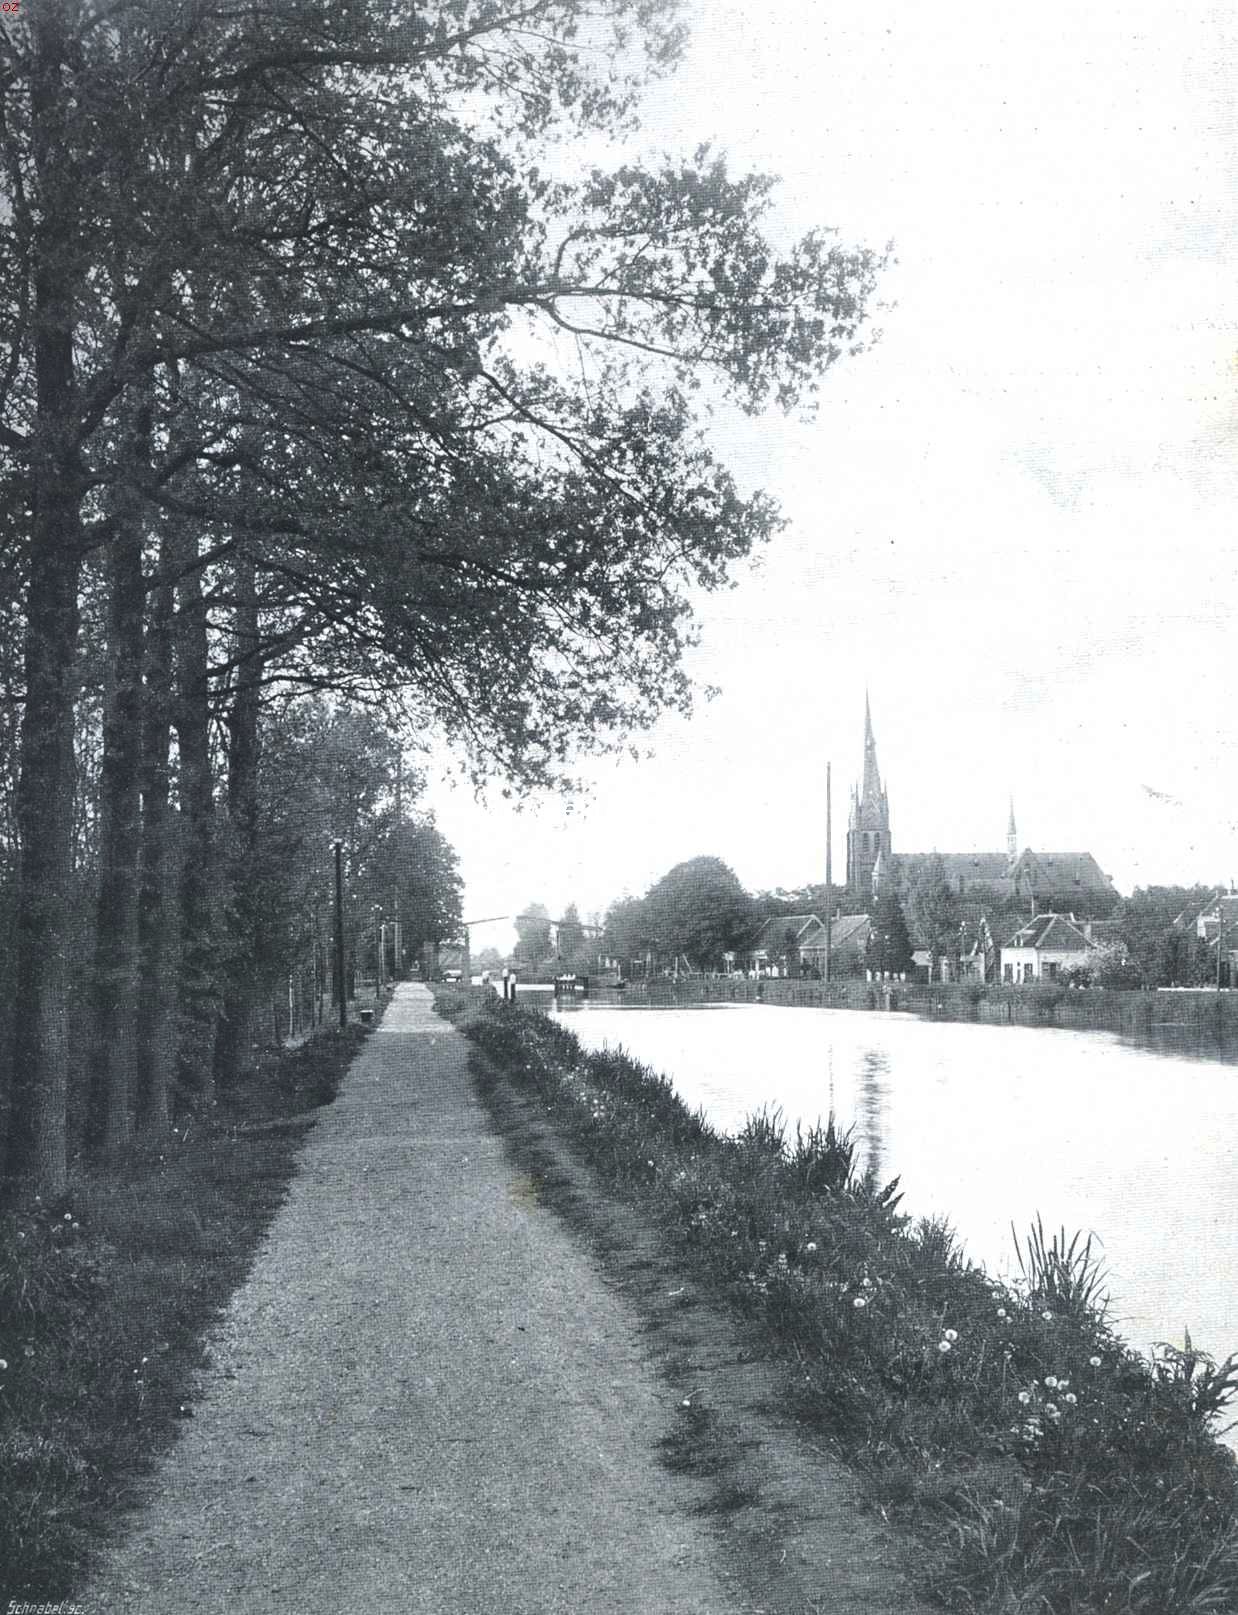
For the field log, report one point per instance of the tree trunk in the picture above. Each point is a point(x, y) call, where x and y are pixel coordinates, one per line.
point(36, 1147)
point(114, 987)
point(156, 1019)
point(234, 1050)
point(198, 976)
point(36, 1144)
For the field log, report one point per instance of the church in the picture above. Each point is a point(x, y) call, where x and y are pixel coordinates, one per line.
point(1047, 882)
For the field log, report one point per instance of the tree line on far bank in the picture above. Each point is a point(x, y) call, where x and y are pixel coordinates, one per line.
point(700, 914)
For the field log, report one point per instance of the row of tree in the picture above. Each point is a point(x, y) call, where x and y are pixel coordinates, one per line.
point(326, 368)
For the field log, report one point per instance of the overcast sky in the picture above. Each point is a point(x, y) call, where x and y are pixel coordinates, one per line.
point(1013, 520)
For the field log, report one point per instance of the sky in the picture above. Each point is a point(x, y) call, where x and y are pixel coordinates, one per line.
point(1011, 520)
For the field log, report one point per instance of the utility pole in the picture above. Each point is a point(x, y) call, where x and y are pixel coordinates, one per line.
point(340, 1000)
point(829, 870)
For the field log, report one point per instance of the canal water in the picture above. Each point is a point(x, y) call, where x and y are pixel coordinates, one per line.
point(990, 1125)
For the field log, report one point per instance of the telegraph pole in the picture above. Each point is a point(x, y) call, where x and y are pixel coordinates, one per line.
point(338, 847)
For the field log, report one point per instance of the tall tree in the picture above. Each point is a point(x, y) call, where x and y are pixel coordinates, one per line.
point(699, 910)
point(533, 931)
point(571, 937)
point(889, 943)
point(321, 242)
point(1145, 923)
point(934, 911)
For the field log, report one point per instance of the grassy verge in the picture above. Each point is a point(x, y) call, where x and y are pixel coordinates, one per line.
point(104, 1300)
point(1045, 1465)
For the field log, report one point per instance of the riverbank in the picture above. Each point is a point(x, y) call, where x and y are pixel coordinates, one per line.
point(1196, 1016)
point(1044, 1465)
point(104, 1300)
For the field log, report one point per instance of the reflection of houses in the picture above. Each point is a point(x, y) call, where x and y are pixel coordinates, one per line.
point(794, 945)
point(1050, 944)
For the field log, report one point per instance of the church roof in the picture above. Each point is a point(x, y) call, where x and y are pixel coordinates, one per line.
point(1063, 871)
point(987, 867)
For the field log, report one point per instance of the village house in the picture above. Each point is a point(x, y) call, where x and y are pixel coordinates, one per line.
point(794, 945)
point(779, 946)
point(1044, 948)
point(1216, 923)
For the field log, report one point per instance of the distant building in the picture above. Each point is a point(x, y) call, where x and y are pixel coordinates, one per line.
point(794, 945)
point(849, 934)
point(1044, 881)
point(1216, 923)
point(780, 945)
point(1046, 947)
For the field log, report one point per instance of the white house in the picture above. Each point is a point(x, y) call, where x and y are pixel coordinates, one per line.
point(1044, 948)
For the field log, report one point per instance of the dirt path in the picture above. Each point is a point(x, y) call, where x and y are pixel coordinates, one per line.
point(425, 1398)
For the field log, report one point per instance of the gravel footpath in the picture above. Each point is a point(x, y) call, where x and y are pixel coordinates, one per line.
point(424, 1399)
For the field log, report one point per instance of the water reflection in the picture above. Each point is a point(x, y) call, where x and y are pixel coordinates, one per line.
point(989, 1125)
point(874, 1068)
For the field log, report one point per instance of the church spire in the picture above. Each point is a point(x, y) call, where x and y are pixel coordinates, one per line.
point(868, 832)
point(1012, 835)
point(871, 794)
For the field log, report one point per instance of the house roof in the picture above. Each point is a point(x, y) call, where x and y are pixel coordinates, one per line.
point(844, 928)
point(847, 928)
point(1051, 933)
point(781, 931)
point(1220, 914)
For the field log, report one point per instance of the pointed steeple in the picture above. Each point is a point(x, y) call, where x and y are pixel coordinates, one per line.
point(868, 832)
point(871, 794)
point(1012, 835)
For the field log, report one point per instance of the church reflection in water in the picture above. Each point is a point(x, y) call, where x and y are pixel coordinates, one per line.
point(873, 1073)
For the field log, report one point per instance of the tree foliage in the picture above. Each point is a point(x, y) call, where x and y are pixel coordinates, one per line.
point(356, 385)
point(934, 911)
point(1161, 956)
point(533, 933)
point(698, 910)
point(889, 945)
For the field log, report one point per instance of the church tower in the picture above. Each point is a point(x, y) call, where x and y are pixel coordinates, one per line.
point(868, 828)
point(1012, 836)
